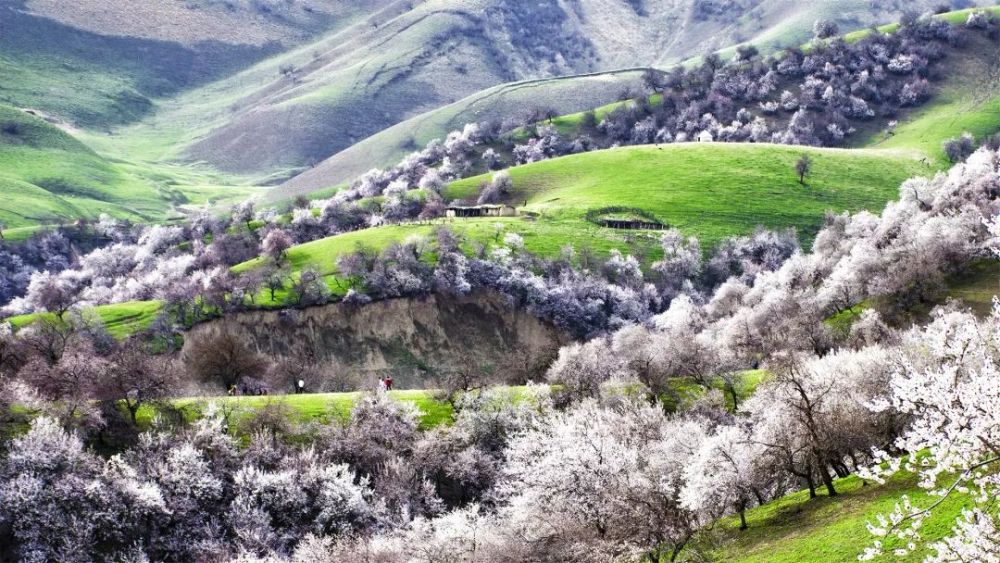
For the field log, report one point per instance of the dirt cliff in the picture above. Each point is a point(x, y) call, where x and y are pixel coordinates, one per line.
point(415, 340)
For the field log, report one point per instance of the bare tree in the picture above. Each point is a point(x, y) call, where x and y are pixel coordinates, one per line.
point(223, 357)
point(803, 167)
point(136, 377)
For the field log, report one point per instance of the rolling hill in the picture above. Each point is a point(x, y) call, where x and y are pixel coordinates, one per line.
point(564, 95)
point(255, 91)
point(707, 190)
point(78, 70)
point(965, 100)
point(49, 176)
point(292, 111)
point(98, 64)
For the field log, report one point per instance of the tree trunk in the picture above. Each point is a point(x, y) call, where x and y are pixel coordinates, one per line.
point(854, 461)
point(827, 480)
point(743, 517)
point(810, 482)
point(841, 469)
point(678, 548)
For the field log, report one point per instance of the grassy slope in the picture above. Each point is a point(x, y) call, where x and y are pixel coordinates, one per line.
point(967, 101)
point(48, 175)
point(772, 26)
point(770, 196)
point(259, 122)
point(106, 76)
point(563, 94)
point(795, 528)
point(713, 191)
point(121, 319)
point(100, 63)
point(709, 190)
point(320, 408)
point(94, 66)
point(408, 60)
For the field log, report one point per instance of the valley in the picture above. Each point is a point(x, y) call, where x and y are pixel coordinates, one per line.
point(481, 281)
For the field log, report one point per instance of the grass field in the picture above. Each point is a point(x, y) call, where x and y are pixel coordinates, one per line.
point(795, 528)
point(710, 190)
point(48, 176)
point(121, 319)
point(322, 408)
point(386, 148)
point(707, 190)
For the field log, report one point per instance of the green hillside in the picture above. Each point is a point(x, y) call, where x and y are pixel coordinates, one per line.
point(120, 319)
point(795, 528)
point(567, 95)
point(707, 190)
point(716, 190)
point(292, 111)
point(50, 176)
point(968, 100)
point(100, 63)
point(563, 95)
point(322, 408)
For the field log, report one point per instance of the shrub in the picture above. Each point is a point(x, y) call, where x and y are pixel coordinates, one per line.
point(959, 148)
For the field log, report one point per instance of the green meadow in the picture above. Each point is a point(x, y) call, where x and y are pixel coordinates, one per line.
point(796, 528)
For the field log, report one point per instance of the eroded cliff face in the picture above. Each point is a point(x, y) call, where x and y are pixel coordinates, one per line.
point(415, 340)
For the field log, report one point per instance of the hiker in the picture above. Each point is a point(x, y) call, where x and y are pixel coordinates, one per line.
point(300, 387)
point(388, 383)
